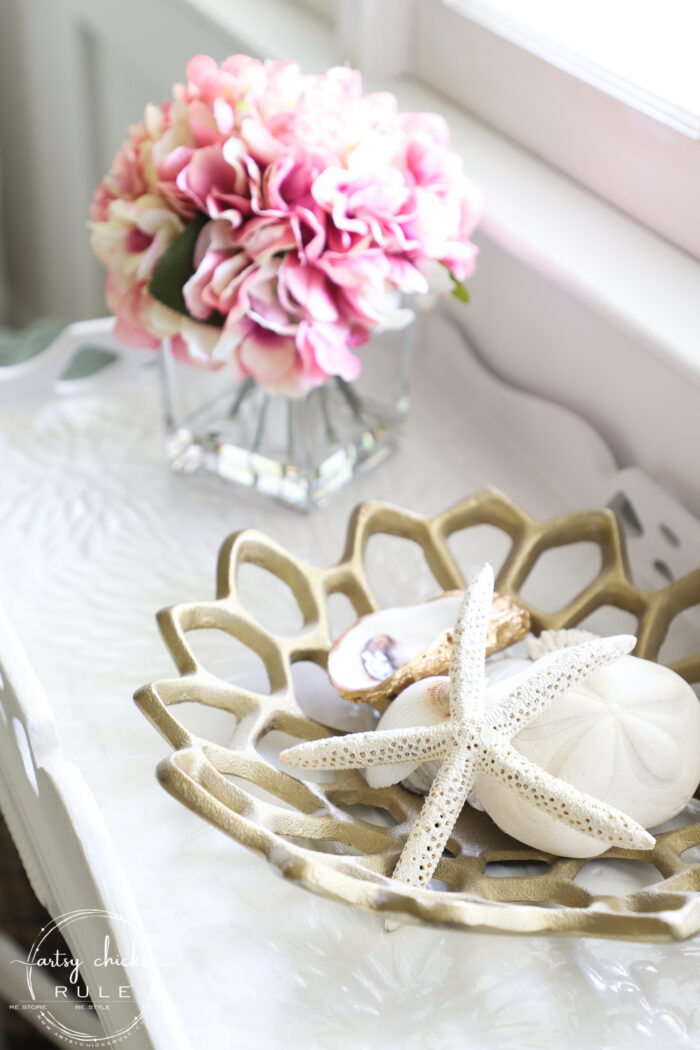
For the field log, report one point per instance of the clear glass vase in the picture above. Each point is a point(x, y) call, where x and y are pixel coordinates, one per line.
point(297, 451)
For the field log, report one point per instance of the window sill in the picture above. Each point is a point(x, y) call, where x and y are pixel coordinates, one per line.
point(626, 274)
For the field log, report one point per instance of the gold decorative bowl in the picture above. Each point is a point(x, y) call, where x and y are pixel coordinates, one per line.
point(339, 837)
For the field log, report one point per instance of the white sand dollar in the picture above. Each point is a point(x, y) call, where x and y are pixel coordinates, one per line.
point(629, 735)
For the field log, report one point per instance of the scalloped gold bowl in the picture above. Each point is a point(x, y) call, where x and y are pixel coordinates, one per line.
point(324, 835)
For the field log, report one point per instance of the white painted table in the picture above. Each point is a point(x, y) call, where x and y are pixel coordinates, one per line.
point(95, 536)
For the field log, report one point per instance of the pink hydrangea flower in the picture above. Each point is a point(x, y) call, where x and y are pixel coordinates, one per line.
point(320, 210)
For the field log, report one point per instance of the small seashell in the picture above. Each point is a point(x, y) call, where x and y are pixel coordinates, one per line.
point(426, 703)
point(420, 781)
point(386, 651)
point(550, 641)
point(503, 667)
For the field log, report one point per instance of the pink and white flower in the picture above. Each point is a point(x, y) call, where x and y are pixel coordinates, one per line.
point(320, 209)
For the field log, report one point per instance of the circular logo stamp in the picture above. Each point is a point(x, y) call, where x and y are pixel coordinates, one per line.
point(84, 995)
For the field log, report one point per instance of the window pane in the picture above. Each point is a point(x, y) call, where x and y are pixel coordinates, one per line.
point(531, 80)
point(641, 51)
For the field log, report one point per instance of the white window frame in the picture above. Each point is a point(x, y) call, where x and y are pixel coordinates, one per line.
point(626, 146)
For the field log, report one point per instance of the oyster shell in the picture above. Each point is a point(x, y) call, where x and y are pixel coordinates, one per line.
point(386, 651)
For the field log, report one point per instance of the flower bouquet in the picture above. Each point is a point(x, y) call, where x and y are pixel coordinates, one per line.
point(262, 227)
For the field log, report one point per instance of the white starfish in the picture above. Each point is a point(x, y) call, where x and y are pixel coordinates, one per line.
point(476, 739)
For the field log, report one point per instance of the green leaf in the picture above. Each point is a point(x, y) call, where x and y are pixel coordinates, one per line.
point(86, 361)
point(459, 290)
point(175, 267)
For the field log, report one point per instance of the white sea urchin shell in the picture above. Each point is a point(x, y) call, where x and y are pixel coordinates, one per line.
point(629, 735)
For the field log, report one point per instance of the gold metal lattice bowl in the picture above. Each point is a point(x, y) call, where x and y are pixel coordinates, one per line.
point(340, 838)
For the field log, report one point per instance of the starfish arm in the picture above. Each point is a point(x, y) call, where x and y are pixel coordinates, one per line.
point(552, 676)
point(564, 802)
point(426, 841)
point(469, 645)
point(374, 748)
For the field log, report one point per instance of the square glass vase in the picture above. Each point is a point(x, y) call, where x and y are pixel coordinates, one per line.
point(294, 450)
